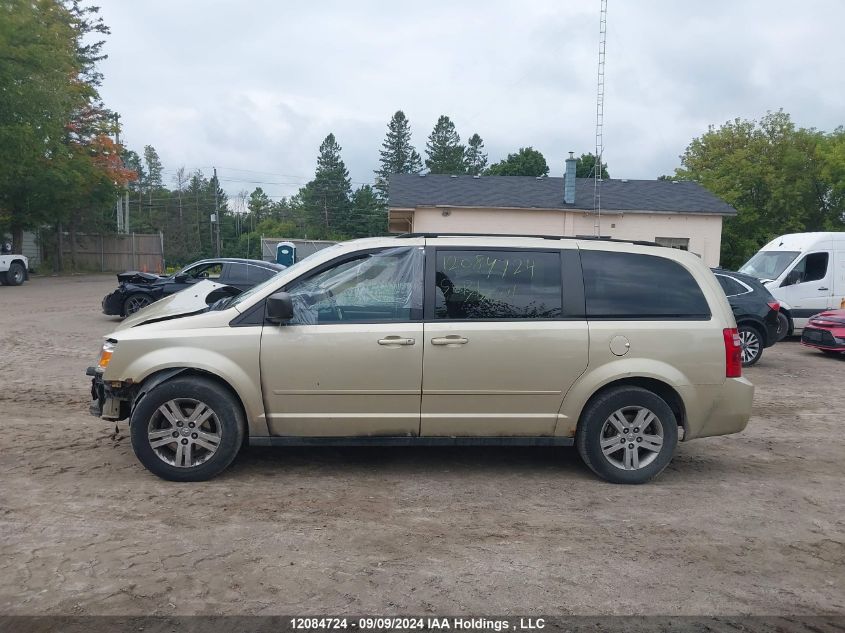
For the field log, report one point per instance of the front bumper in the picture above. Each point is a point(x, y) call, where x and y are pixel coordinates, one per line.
point(106, 403)
point(113, 303)
point(820, 338)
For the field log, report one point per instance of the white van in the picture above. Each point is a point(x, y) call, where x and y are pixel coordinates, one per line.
point(804, 271)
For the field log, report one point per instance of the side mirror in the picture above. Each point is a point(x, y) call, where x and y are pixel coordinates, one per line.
point(180, 278)
point(279, 307)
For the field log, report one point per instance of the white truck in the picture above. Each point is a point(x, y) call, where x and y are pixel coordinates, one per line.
point(14, 269)
point(804, 271)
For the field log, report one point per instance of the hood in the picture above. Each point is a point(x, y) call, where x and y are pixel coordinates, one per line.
point(192, 300)
point(136, 277)
point(829, 318)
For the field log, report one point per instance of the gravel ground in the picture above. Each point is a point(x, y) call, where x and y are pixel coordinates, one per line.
point(745, 524)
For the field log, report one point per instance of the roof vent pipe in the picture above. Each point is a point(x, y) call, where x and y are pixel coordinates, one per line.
point(569, 180)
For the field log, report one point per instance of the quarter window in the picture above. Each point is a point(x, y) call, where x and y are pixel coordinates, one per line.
point(634, 286)
point(731, 286)
point(383, 286)
point(494, 284)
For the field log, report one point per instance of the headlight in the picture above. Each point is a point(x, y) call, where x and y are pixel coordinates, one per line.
point(106, 354)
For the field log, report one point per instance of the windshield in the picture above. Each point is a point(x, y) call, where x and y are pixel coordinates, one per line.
point(768, 264)
point(293, 267)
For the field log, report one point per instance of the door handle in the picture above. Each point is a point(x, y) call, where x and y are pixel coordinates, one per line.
point(823, 288)
point(396, 340)
point(453, 339)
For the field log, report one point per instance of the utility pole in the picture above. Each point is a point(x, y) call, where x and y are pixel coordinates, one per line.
point(217, 210)
point(120, 214)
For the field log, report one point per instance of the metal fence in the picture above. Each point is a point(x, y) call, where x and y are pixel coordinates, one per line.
point(113, 252)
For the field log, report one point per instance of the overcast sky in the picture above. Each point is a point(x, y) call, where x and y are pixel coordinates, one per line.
point(254, 86)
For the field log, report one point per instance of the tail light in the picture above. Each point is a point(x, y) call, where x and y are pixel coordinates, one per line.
point(733, 353)
point(774, 305)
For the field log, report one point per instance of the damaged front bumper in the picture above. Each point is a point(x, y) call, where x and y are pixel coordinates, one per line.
point(110, 401)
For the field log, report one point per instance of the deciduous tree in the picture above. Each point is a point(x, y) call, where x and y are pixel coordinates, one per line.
point(779, 177)
point(526, 162)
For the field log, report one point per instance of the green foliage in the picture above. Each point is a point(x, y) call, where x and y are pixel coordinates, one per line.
point(780, 178)
point(475, 158)
point(57, 163)
point(325, 199)
point(152, 176)
point(585, 164)
point(444, 152)
point(526, 162)
point(369, 213)
point(397, 155)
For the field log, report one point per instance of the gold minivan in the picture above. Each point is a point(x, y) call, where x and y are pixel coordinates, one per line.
point(618, 348)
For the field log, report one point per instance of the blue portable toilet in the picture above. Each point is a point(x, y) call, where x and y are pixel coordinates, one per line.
point(285, 253)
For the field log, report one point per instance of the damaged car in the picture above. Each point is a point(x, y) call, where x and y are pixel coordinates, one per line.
point(137, 290)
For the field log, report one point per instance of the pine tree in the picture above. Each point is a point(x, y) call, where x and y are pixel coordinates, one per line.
point(370, 213)
point(445, 154)
point(398, 155)
point(475, 158)
point(326, 198)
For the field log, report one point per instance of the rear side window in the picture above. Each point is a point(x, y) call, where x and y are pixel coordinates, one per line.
point(635, 286)
point(497, 284)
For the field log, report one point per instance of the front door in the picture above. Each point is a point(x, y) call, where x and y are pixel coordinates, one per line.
point(350, 363)
point(500, 350)
point(808, 287)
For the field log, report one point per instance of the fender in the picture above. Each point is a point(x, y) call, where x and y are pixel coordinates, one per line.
point(593, 381)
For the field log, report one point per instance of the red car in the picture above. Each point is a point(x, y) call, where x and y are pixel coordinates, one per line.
point(826, 331)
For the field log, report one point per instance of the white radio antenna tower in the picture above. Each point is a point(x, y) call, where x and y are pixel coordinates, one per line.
point(597, 167)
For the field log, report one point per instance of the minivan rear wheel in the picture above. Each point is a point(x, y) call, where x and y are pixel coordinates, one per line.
point(187, 429)
point(627, 435)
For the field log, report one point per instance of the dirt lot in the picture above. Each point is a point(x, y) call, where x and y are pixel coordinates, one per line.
point(749, 524)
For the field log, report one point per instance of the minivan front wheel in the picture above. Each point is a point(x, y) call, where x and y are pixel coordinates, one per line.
point(627, 435)
point(187, 429)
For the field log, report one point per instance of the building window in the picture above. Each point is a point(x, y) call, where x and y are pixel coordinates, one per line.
point(681, 243)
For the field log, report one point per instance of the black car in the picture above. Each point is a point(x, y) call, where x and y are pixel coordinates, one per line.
point(138, 289)
point(756, 312)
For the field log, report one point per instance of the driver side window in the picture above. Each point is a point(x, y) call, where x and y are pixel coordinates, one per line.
point(383, 286)
point(812, 267)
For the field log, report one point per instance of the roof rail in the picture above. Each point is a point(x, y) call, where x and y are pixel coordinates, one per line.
point(541, 237)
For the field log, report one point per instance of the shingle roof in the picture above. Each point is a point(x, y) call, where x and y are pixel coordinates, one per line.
point(526, 192)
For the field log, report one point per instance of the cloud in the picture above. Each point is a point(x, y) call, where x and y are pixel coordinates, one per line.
point(253, 88)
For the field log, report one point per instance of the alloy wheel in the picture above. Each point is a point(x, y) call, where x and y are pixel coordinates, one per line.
point(750, 343)
point(184, 432)
point(631, 438)
point(136, 303)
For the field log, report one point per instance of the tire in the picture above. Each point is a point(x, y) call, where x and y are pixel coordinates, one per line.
point(752, 341)
point(601, 422)
point(783, 326)
point(16, 274)
point(135, 302)
point(204, 450)
point(3, 281)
